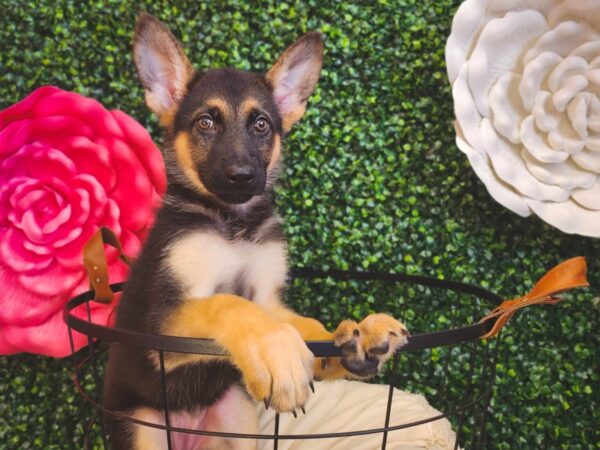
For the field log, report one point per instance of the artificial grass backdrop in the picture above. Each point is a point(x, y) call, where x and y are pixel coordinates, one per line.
point(374, 180)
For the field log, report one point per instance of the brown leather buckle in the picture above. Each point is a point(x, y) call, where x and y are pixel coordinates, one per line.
point(94, 260)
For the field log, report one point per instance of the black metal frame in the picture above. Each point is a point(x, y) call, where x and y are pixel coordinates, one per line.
point(417, 342)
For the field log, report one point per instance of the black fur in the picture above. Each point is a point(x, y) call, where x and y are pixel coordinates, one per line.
point(151, 294)
point(132, 379)
point(229, 144)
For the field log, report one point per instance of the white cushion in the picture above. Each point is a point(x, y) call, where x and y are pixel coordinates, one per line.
point(343, 405)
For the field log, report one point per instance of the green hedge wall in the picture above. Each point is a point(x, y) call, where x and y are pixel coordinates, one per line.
point(374, 180)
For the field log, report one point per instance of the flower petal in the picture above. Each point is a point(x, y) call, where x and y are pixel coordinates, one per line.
point(501, 7)
point(466, 25)
point(546, 116)
point(577, 111)
point(568, 217)
point(54, 281)
point(507, 109)
point(499, 50)
point(569, 89)
point(593, 143)
point(24, 108)
point(89, 158)
point(576, 10)
point(593, 77)
point(562, 40)
point(567, 175)
point(144, 148)
point(534, 77)
point(52, 337)
point(500, 191)
point(568, 67)
point(70, 235)
point(64, 103)
point(467, 116)
point(536, 145)
point(15, 256)
point(587, 50)
point(7, 347)
point(509, 166)
point(565, 138)
point(588, 198)
point(69, 256)
point(588, 161)
point(97, 196)
point(22, 307)
point(132, 194)
point(18, 134)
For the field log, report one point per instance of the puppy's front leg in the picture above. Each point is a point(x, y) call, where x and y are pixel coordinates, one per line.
point(366, 345)
point(275, 363)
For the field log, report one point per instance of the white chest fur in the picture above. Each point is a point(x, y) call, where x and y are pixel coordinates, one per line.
point(205, 263)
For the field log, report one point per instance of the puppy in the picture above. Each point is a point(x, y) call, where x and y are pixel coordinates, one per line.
point(215, 264)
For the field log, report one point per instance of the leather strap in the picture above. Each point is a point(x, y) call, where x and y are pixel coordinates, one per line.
point(94, 260)
point(567, 275)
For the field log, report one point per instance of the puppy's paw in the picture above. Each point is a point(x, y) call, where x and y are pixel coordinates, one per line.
point(277, 368)
point(369, 344)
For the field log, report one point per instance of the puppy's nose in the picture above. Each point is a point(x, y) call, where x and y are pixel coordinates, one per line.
point(240, 175)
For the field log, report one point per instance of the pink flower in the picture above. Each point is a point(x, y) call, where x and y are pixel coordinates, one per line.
point(67, 167)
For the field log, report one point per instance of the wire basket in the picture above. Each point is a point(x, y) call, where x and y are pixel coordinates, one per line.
point(453, 368)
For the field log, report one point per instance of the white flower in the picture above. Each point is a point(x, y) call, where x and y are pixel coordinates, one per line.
point(526, 88)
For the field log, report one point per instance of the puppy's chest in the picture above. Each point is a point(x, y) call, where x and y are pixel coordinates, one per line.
point(205, 263)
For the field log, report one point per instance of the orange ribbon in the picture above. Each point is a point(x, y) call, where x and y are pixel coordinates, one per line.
point(567, 275)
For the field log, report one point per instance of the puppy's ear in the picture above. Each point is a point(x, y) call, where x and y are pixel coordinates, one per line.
point(294, 76)
point(162, 67)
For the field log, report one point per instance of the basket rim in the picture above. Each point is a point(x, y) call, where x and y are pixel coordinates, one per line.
point(177, 344)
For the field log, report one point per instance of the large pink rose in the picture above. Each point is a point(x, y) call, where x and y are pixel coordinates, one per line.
point(67, 167)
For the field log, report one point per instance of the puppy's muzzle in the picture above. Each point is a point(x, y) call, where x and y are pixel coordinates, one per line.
point(240, 176)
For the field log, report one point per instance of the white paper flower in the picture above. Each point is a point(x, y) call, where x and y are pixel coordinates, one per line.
point(526, 88)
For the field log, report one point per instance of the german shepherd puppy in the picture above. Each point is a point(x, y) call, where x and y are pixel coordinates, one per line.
point(215, 264)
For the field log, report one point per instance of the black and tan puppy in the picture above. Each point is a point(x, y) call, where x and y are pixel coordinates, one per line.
point(215, 264)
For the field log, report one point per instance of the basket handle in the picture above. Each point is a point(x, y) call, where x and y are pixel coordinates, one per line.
point(567, 275)
point(94, 260)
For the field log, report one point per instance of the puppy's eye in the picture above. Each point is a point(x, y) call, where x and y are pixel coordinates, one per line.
point(261, 125)
point(205, 122)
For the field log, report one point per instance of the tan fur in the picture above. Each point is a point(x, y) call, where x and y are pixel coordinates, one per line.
point(224, 108)
point(167, 119)
point(184, 157)
point(375, 331)
point(312, 330)
point(292, 117)
point(275, 363)
point(247, 106)
point(276, 153)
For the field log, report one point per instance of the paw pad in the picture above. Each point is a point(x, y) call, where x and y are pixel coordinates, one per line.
point(369, 344)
